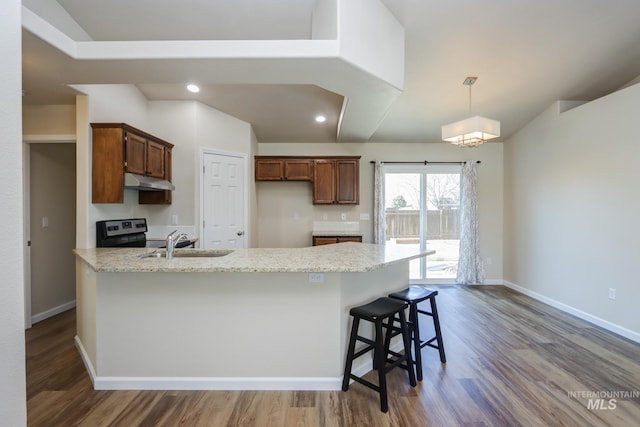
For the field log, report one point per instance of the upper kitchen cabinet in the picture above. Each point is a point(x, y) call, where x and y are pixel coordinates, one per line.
point(272, 168)
point(119, 148)
point(336, 181)
point(297, 169)
point(324, 182)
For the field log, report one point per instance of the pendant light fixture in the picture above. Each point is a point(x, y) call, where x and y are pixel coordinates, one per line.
point(473, 131)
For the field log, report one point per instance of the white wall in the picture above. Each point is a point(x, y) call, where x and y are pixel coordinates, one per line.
point(103, 103)
point(189, 125)
point(571, 207)
point(13, 408)
point(52, 185)
point(174, 121)
point(223, 133)
point(286, 211)
point(193, 126)
point(49, 119)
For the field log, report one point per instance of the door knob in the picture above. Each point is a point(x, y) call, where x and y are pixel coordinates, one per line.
point(240, 233)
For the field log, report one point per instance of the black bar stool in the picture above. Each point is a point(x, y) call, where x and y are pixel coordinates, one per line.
point(376, 312)
point(414, 295)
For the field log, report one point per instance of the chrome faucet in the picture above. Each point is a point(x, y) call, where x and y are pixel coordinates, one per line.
point(172, 241)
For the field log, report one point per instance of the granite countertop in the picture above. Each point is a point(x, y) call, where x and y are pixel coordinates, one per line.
point(339, 258)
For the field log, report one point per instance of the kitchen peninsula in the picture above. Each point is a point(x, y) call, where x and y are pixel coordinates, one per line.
point(263, 318)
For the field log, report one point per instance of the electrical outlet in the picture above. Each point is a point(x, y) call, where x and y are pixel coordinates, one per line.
point(489, 261)
point(612, 293)
point(316, 277)
point(174, 219)
point(364, 217)
point(343, 216)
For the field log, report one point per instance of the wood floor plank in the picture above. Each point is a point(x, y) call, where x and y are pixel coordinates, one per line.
point(511, 361)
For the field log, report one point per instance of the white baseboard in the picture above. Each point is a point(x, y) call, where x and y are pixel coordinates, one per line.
point(86, 360)
point(219, 383)
point(434, 282)
point(215, 383)
point(605, 324)
point(53, 311)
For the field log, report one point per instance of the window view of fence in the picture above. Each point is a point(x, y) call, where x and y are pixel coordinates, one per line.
point(422, 209)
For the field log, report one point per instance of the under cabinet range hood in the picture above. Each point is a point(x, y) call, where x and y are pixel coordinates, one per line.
point(134, 181)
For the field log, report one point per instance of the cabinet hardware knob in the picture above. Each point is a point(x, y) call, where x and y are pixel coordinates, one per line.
point(240, 233)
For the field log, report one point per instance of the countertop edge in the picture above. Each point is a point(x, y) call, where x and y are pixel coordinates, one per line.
point(340, 258)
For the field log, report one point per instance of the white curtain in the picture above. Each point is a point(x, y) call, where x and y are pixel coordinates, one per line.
point(470, 268)
point(379, 220)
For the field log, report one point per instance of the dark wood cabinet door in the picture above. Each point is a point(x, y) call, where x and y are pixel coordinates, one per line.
point(297, 170)
point(317, 241)
point(269, 170)
point(335, 179)
point(347, 182)
point(327, 240)
point(155, 159)
point(119, 148)
point(159, 197)
point(107, 176)
point(135, 154)
point(324, 183)
point(343, 239)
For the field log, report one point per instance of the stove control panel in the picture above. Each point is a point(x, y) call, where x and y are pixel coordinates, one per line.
point(121, 232)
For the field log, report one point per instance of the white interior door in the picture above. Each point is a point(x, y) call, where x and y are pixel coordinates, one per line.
point(223, 201)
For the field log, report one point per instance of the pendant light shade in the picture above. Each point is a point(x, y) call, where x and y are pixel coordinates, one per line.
point(473, 131)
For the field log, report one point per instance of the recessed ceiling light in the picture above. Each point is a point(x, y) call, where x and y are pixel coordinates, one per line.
point(321, 119)
point(193, 88)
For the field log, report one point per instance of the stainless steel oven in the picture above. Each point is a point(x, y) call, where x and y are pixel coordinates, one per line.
point(121, 233)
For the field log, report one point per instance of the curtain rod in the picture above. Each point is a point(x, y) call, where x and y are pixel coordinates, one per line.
point(425, 162)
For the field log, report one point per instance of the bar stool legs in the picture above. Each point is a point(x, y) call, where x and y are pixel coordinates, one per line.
point(436, 325)
point(414, 295)
point(377, 312)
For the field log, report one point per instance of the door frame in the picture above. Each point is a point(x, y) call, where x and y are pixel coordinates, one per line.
point(245, 192)
point(27, 140)
point(424, 171)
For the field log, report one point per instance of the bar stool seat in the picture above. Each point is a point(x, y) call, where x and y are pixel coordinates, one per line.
point(414, 295)
point(377, 312)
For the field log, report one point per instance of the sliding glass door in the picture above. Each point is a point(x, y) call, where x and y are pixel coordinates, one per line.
point(422, 209)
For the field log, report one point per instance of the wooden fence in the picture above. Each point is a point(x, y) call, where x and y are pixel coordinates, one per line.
point(405, 224)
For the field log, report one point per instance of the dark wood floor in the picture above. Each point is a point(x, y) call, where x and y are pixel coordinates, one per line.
point(511, 361)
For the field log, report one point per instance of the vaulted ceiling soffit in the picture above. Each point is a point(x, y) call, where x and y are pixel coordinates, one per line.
point(356, 50)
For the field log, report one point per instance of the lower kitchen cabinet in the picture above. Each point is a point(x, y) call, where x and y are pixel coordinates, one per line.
point(328, 240)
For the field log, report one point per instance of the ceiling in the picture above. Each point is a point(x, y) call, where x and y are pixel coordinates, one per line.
point(526, 55)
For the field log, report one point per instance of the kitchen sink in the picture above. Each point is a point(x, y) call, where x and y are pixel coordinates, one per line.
point(200, 253)
point(189, 253)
